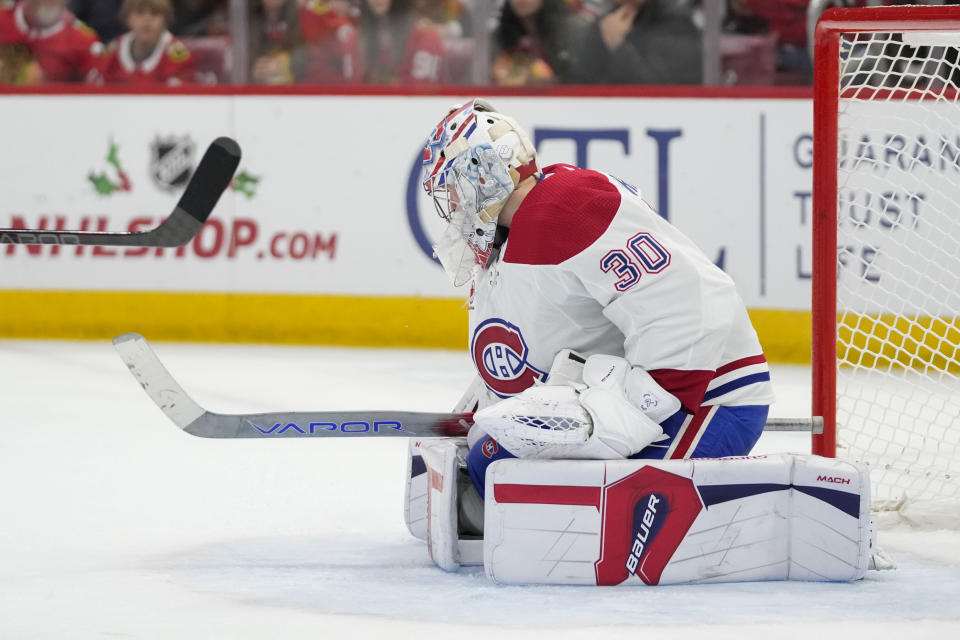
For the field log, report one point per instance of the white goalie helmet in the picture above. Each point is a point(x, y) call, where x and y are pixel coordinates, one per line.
point(472, 162)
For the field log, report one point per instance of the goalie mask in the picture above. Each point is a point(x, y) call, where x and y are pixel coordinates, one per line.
point(472, 162)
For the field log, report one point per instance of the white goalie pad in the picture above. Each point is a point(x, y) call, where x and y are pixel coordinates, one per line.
point(622, 522)
point(443, 459)
point(415, 491)
point(475, 397)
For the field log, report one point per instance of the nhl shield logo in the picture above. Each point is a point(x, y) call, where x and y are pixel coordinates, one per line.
point(171, 161)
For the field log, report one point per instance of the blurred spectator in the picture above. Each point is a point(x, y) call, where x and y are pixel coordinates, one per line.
point(395, 47)
point(148, 54)
point(451, 16)
point(642, 41)
point(747, 48)
point(327, 28)
point(277, 51)
point(816, 8)
point(103, 16)
point(40, 40)
point(787, 19)
point(194, 18)
point(591, 9)
point(533, 42)
point(740, 18)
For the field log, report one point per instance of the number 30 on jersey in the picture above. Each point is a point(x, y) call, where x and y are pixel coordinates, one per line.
point(642, 255)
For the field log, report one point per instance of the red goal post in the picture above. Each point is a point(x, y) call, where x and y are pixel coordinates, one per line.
point(886, 239)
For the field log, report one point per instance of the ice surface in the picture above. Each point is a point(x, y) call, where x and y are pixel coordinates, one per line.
point(115, 524)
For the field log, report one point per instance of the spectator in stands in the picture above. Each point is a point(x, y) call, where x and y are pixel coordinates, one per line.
point(277, 51)
point(788, 19)
point(148, 54)
point(328, 31)
point(642, 42)
point(40, 40)
point(533, 42)
point(195, 18)
point(591, 9)
point(815, 9)
point(394, 47)
point(740, 18)
point(451, 16)
point(103, 16)
point(747, 49)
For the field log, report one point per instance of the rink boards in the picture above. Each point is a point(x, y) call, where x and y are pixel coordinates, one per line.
point(325, 236)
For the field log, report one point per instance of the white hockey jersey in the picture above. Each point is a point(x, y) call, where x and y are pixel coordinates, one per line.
point(589, 266)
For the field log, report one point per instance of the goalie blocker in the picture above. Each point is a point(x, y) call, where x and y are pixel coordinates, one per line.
point(623, 522)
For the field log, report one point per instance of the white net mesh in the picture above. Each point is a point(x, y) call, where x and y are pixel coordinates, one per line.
point(898, 285)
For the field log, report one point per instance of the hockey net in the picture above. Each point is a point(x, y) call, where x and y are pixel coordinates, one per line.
point(886, 304)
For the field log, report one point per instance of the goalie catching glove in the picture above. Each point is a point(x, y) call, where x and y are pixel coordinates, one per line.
point(613, 411)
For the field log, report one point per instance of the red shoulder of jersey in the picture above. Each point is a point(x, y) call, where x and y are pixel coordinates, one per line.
point(320, 20)
point(563, 215)
point(84, 31)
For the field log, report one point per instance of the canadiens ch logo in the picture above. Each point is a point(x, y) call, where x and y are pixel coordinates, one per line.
point(500, 356)
point(490, 448)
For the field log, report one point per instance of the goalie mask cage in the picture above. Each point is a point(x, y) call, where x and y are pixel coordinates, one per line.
point(886, 270)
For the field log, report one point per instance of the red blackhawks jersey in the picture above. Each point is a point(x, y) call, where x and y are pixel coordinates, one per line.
point(420, 63)
point(326, 33)
point(170, 63)
point(66, 51)
point(588, 265)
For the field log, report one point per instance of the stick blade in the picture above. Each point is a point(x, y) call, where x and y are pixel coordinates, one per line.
point(180, 408)
point(211, 178)
point(146, 367)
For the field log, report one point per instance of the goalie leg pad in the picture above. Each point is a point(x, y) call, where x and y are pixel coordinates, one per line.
point(415, 491)
point(444, 459)
point(623, 522)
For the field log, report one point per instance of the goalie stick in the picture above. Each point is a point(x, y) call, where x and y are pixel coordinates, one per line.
point(208, 182)
point(195, 420)
point(183, 411)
